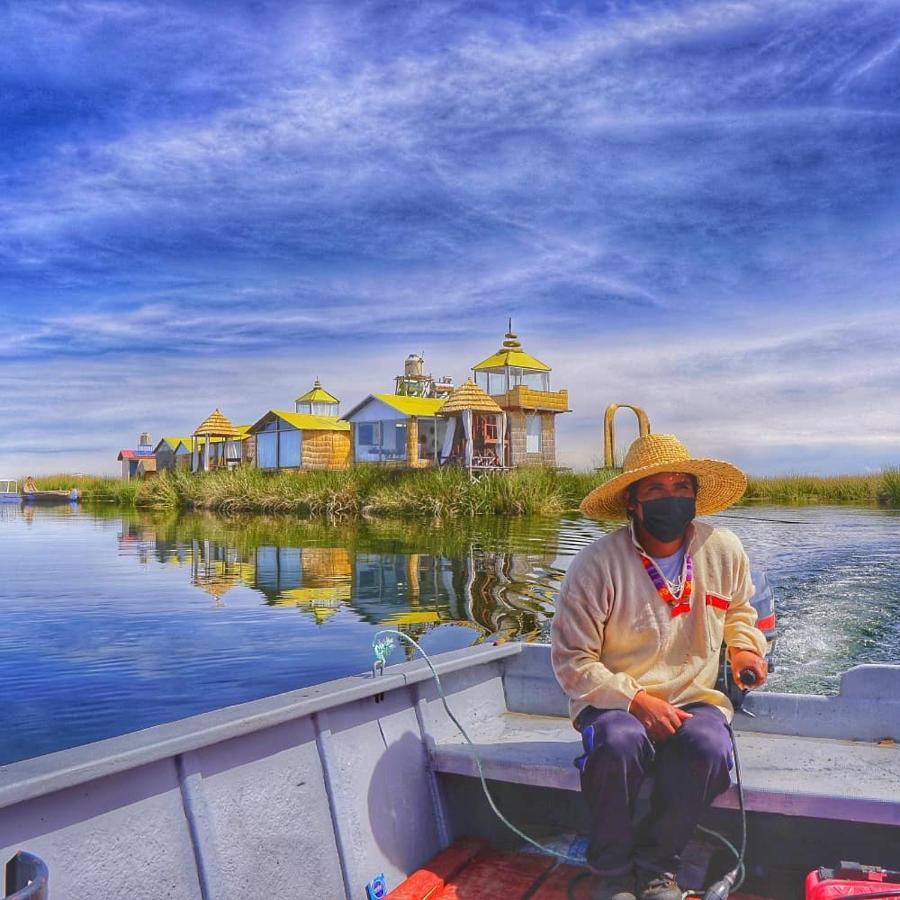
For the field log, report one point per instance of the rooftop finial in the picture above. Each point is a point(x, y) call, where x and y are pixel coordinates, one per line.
point(511, 341)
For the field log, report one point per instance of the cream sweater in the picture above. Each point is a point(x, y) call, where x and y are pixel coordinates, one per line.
point(613, 635)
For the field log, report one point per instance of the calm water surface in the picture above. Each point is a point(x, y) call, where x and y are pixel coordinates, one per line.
point(115, 622)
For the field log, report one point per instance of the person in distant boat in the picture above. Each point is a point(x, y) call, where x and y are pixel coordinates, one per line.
point(635, 643)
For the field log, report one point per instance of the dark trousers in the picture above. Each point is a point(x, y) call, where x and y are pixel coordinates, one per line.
point(690, 769)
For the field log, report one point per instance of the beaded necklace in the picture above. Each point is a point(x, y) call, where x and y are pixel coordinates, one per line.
point(679, 602)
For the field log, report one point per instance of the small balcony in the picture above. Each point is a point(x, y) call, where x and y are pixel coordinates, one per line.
point(522, 397)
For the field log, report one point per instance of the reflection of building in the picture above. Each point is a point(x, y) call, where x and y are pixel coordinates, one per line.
point(496, 592)
point(216, 567)
point(314, 579)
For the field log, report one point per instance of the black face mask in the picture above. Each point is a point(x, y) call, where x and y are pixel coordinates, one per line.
point(666, 518)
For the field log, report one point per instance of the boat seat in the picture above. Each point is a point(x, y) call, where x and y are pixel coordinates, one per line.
point(801, 776)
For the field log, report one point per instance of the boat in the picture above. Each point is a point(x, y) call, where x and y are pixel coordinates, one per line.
point(331, 789)
point(31, 494)
point(9, 491)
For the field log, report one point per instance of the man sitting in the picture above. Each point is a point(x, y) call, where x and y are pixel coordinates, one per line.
point(636, 636)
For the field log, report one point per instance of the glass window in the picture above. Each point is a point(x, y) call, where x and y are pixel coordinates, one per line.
point(266, 451)
point(496, 383)
point(481, 379)
point(532, 434)
point(367, 433)
point(289, 449)
point(538, 381)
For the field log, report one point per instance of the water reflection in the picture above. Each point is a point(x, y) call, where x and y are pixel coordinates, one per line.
point(118, 622)
point(496, 581)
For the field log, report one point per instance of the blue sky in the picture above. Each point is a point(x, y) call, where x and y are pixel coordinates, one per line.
point(690, 206)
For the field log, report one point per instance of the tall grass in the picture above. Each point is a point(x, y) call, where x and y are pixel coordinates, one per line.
point(799, 489)
point(372, 491)
point(890, 487)
point(94, 489)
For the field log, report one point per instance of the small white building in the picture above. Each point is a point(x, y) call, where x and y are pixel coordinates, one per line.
point(406, 431)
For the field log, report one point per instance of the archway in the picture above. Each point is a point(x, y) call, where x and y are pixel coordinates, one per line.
point(609, 434)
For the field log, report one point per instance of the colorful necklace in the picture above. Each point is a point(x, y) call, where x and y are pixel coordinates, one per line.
point(681, 603)
point(678, 601)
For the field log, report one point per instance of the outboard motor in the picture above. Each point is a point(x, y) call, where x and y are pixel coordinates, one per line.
point(763, 601)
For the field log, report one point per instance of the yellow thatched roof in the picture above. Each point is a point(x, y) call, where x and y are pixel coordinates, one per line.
point(217, 425)
point(511, 354)
point(318, 394)
point(469, 396)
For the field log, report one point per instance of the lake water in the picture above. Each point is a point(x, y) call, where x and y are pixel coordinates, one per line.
point(114, 622)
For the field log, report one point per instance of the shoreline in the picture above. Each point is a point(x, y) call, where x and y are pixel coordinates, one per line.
point(375, 492)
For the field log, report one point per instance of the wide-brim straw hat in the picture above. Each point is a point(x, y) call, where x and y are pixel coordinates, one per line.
point(719, 483)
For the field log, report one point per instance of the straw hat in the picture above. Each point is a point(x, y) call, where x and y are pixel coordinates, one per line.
point(720, 484)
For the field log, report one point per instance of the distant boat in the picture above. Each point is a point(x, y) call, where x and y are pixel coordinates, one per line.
point(9, 491)
point(31, 494)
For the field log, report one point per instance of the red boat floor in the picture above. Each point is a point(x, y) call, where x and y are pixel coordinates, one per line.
point(471, 869)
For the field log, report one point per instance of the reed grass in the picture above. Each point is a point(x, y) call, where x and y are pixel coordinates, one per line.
point(94, 489)
point(804, 489)
point(370, 491)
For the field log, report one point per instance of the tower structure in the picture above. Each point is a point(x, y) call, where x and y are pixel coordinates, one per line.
point(317, 402)
point(520, 385)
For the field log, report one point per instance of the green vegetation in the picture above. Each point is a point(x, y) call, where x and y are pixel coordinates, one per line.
point(93, 489)
point(883, 487)
point(370, 491)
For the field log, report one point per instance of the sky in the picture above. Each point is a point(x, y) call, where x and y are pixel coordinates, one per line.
point(690, 206)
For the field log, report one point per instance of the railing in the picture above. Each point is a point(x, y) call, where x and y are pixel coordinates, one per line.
point(27, 878)
point(522, 397)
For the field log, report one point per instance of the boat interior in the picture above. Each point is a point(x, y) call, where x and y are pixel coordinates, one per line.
point(324, 789)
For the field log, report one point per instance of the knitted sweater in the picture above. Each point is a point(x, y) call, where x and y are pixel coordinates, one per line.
point(612, 634)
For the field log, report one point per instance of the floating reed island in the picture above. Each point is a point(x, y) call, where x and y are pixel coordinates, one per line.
point(369, 491)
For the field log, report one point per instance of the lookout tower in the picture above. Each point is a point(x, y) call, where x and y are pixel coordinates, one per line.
point(317, 402)
point(520, 385)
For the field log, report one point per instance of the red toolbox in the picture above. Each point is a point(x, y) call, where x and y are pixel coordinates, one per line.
point(851, 879)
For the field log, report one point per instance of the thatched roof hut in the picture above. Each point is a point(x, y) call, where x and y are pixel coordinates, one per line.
point(216, 443)
point(469, 396)
point(216, 425)
point(480, 440)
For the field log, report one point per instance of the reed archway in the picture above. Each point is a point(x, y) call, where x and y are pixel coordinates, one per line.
point(609, 433)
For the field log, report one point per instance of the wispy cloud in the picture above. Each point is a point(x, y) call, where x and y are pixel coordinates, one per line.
point(277, 183)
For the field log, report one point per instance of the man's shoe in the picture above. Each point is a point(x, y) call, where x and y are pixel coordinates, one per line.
point(659, 886)
point(612, 887)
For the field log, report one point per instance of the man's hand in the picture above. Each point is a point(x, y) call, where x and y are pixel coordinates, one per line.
point(748, 659)
point(661, 719)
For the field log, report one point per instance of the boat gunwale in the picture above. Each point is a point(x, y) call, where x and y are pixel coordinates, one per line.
point(42, 775)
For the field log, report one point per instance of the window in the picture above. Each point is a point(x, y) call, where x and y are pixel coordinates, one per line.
point(289, 449)
point(368, 433)
point(267, 450)
point(532, 434)
point(538, 381)
point(496, 383)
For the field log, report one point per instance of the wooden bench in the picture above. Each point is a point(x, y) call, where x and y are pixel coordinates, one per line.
point(795, 756)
